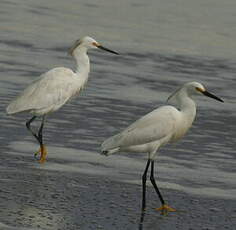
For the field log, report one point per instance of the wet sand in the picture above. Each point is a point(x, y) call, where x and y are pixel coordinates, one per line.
point(33, 197)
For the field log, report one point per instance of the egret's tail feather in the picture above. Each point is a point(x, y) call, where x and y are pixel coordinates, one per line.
point(111, 145)
point(10, 109)
point(15, 107)
point(109, 152)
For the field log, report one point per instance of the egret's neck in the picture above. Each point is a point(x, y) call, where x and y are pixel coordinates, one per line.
point(186, 104)
point(187, 109)
point(82, 61)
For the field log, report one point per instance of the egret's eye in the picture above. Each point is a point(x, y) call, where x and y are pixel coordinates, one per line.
point(200, 89)
point(95, 44)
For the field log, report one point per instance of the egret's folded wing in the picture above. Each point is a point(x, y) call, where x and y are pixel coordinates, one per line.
point(152, 127)
point(53, 88)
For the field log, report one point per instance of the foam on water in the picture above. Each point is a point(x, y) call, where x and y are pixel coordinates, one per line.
point(123, 167)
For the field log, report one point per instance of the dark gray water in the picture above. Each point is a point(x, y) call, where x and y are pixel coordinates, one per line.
point(163, 45)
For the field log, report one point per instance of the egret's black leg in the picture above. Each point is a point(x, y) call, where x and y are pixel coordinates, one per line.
point(40, 132)
point(43, 149)
point(155, 185)
point(39, 137)
point(164, 208)
point(28, 123)
point(144, 179)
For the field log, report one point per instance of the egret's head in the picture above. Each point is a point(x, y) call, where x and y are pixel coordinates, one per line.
point(196, 88)
point(193, 88)
point(190, 88)
point(88, 43)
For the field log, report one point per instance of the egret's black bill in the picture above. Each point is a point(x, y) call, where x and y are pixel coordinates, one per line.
point(108, 50)
point(206, 93)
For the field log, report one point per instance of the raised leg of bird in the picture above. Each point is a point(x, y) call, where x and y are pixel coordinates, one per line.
point(42, 150)
point(164, 207)
point(29, 128)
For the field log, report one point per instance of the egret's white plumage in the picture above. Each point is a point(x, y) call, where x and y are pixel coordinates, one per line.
point(48, 93)
point(162, 125)
point(157, 128)
point(146, 134)
point(56, 87)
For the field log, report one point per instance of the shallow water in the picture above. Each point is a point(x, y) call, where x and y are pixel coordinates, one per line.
point(162, 45)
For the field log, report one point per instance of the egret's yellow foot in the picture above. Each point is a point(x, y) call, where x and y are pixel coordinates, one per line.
point(165, 209)
point(43, 153)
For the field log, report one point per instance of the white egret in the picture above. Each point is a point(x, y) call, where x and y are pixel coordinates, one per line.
point(157, 128)
point(54, 88)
